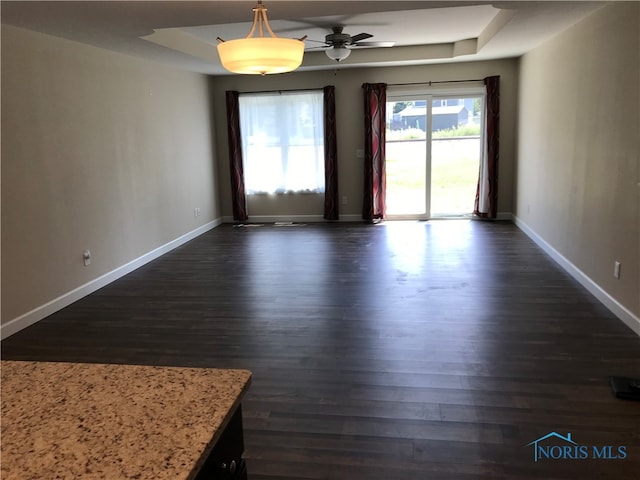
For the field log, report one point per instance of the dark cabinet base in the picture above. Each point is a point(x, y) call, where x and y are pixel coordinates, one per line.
point(225, 461)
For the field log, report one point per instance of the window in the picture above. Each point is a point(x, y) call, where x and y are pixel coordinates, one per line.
point(283, 142)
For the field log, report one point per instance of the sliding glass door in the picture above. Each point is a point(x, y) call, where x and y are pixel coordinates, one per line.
point(432, 154)
point(406, 159)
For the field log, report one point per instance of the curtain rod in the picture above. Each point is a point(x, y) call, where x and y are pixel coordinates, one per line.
point(284, 91)
point(429, 83)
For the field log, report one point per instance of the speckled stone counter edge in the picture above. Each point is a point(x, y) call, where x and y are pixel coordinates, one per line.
point(99, 421)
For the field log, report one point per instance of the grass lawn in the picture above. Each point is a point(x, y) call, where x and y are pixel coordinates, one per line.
point(454, 175)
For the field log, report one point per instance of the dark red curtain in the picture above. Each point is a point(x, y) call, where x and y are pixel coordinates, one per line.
point(486, 203)
point(238, 197)
point(330, 155)
point(375, 102)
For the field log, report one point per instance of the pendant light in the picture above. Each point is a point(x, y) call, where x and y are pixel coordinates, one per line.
point(261, 54)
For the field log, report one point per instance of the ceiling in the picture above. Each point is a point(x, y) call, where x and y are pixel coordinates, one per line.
point(183, 33)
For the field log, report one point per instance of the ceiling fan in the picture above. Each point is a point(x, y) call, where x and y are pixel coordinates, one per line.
point(340, 44)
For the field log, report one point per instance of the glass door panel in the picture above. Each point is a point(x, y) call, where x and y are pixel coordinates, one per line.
point(455, 155)
point(406, 159)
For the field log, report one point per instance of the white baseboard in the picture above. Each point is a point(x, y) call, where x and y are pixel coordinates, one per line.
point(43, 311)
point(285, 218)
point(293, 218)
point(353, 217)
point(623, 313)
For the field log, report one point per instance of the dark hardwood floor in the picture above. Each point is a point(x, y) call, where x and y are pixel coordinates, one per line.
point(425, 350)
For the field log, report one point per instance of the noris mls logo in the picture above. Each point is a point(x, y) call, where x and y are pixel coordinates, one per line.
point(554, 446)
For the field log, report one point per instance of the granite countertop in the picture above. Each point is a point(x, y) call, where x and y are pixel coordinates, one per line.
point(93, 421)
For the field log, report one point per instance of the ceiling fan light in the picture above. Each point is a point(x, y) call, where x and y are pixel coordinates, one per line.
point(338, 53)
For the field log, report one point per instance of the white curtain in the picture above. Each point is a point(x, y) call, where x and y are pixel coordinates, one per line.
point(484, 191)
point(282, 141)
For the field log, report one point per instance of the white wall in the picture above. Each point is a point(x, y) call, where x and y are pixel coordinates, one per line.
point(578, 172)
point(350, 128)
point(100, 151)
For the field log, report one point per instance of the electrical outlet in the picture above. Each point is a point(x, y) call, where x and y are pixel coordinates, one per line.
point(344, 200)
point(616, 269)
point(196, 212)
point(86, 258)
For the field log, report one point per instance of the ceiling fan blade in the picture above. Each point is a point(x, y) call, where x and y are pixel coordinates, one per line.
point(318, 49)
point(316, 41)
point(373, 44)
point(360, 36)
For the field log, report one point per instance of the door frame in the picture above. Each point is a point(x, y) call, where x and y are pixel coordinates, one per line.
point(429, 94)
point(397, 96)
